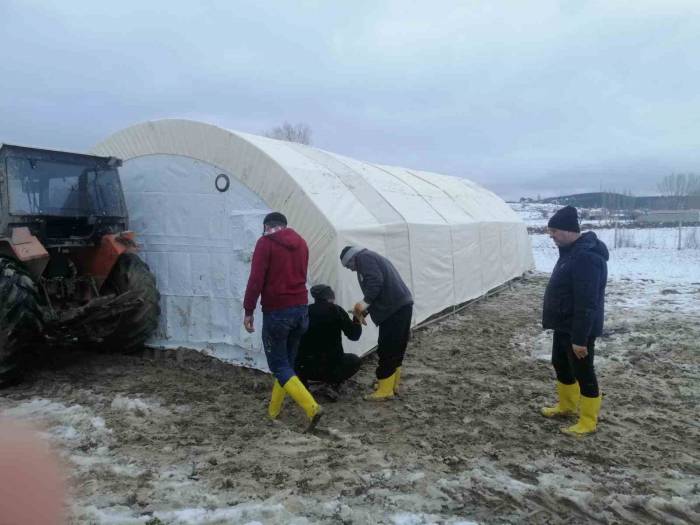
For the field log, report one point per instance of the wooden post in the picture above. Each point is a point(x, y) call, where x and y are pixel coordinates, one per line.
point(680, 230)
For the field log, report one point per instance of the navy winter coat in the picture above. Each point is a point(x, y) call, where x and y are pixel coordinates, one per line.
point(384, 290)
point(575, 296)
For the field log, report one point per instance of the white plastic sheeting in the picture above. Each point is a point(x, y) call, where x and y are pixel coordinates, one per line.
point(451, 239)
point(198, 241)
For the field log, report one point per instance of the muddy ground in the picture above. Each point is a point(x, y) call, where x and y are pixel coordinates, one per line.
point(166, 437)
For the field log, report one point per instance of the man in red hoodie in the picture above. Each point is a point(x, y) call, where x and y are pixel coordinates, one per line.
point(278, 274)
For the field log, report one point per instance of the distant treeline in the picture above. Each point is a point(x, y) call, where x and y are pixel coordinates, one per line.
point(619, 201)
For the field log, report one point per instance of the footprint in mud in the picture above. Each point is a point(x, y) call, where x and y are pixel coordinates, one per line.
point(325, 433)
point(333, 434)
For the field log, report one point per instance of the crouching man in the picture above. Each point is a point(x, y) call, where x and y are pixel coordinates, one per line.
point(278, 273)
point(321, 356)
point(389, 303)
point(574, 307)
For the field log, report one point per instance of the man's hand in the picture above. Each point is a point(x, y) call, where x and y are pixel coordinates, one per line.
point(248, 324)
point(579, 351)
point(359, 312)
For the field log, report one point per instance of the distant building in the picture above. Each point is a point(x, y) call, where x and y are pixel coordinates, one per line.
point(669, 216)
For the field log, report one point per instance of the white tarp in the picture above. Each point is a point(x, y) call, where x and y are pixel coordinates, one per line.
point(451, 239)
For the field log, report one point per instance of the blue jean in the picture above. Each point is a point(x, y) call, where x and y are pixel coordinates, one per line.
point(281, 334)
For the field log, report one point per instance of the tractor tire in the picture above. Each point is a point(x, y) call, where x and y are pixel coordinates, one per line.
point(136, 326)
point(20, 319)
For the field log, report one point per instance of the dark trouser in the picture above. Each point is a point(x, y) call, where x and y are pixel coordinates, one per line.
point(281, 334)
point(570, 368)
point(344, 370)
point(394, 333)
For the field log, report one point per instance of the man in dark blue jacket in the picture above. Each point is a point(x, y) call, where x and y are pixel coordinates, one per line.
point(389, 303)
point(574, 308)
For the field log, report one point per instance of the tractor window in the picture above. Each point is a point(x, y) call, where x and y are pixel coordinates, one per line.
point(43, 187)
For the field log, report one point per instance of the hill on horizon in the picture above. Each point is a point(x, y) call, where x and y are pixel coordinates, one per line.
point(623, 202)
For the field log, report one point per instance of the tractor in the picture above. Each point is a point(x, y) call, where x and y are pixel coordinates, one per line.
point(69, 271)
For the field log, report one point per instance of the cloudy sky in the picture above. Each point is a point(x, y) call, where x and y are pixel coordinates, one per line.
point(525, 97)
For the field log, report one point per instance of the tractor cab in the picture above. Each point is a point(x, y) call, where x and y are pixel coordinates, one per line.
point(64, 199)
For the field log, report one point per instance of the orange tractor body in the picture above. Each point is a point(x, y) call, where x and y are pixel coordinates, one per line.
point(69, 272)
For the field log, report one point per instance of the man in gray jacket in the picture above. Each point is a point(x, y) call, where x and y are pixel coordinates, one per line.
point(389, 303)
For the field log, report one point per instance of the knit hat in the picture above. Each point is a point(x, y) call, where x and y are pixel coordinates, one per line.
point(322, 292)
point(566, 219)
point(275, 218)
point(348, 253)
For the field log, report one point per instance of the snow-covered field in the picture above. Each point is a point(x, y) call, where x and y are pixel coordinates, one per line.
point(534, 214)
point(150, 439)
point(647, 254)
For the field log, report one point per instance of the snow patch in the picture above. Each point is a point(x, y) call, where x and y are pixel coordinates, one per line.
point(245, 513)
point(138, 406)
point(409, 518)
point(65, 423)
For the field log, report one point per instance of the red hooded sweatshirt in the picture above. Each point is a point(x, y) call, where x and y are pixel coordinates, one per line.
point(278, 272)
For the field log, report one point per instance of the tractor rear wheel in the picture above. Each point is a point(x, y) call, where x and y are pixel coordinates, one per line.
point(135, 326)
point(20, 319)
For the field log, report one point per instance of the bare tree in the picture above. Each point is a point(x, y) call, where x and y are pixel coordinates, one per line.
point(678, 186)
point(300, 133)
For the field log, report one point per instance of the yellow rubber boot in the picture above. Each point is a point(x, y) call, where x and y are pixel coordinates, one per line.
point(384, 391)
point(569, 396)
point(588, 417)
point(298, 392)
point(397, 380)
point(276, 400)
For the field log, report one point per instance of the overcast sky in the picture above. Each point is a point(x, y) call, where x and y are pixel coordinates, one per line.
point(525, 97)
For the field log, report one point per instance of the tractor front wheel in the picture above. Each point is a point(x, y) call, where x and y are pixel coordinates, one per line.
point(135, 326)
point(20, 319)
